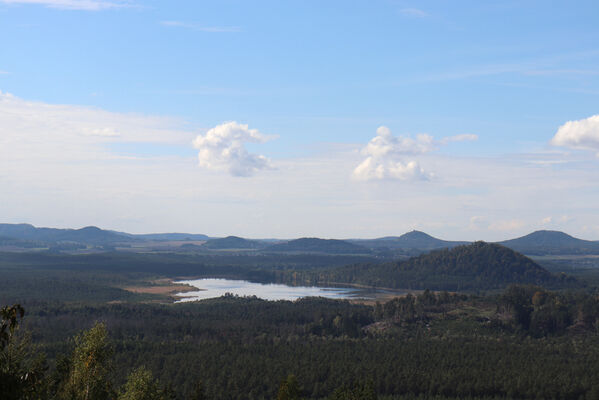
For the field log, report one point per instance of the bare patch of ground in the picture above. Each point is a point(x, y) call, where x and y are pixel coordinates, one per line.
point(161, 286)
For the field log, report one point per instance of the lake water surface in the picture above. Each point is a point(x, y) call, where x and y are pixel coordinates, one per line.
point(212, 287)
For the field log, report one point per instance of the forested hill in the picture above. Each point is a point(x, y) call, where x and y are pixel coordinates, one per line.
point(551, 242)
point(410, 243)
point(424, 241)
point(89, 234)
point(478, 266)
point(315, 245)
point(168, 236)
point(233, 242)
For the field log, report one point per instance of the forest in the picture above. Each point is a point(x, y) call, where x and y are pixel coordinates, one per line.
point(70, 322)
point(526, 342)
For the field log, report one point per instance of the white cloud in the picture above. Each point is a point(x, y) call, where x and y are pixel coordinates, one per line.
point(88, 5)
point(582, 134)
point(413, 12)
point(477, 222)
point(105, 132)
point(53, 132)
point(59, 167)
point(565, 219)
point(222, 148)
point(202, 28)
point(385, 152)
point(371, 169)
point(465, 137)
point(546, 220)
point(385, 144)
point(507, 226)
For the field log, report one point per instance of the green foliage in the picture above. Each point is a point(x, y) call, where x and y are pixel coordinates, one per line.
point(289, 389)
point(21, 374)
point(141, 385)
point(10, 320)
point(90, 367)
point(360, 391)
point(542, 313)
point(199, 392)
point(239, 348)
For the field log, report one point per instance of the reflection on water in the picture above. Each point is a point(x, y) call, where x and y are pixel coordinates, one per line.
point(210, 288)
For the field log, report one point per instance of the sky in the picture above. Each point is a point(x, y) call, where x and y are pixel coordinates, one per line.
point(468, 120)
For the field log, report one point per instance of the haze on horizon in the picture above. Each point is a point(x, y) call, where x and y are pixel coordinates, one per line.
point(465, 120)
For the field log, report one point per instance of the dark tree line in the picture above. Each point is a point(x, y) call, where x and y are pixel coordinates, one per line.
point(526, 343)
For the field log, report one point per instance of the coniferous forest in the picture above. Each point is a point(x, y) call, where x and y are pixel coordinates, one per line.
point(523, 341)
point(94, 327)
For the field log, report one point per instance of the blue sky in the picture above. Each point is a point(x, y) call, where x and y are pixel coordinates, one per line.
point(488, 83)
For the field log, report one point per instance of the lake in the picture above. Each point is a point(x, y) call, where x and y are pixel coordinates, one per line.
point(212, 287)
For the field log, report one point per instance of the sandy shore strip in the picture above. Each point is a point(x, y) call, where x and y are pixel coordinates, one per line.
point(162, 286)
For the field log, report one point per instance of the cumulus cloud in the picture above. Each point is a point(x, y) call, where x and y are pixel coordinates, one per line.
point(372, 169)
point(222, 148)
point(582, 134)
point(385, 152)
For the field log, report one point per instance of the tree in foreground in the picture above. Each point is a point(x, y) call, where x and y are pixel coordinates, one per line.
point(21, 375)
point(141, 385)
point(90, 367)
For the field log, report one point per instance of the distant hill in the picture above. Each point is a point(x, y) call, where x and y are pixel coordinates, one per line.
point(551, 243)
point(171, 236)
point(89, 234)
point(414, 240)
point(316, 245)
point(232, 242)
point(421, 240)
point(478, 266)
point(23, 235)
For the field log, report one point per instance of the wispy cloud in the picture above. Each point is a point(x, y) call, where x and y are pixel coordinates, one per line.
point(87, 5)
point(541, 66)
point(413, 12)
point(201, 28)
point(562, 72)
point(3, 72)
point(506, 225)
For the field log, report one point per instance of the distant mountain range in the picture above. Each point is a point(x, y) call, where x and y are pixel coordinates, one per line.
point(25, 236)
point(89, 234)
